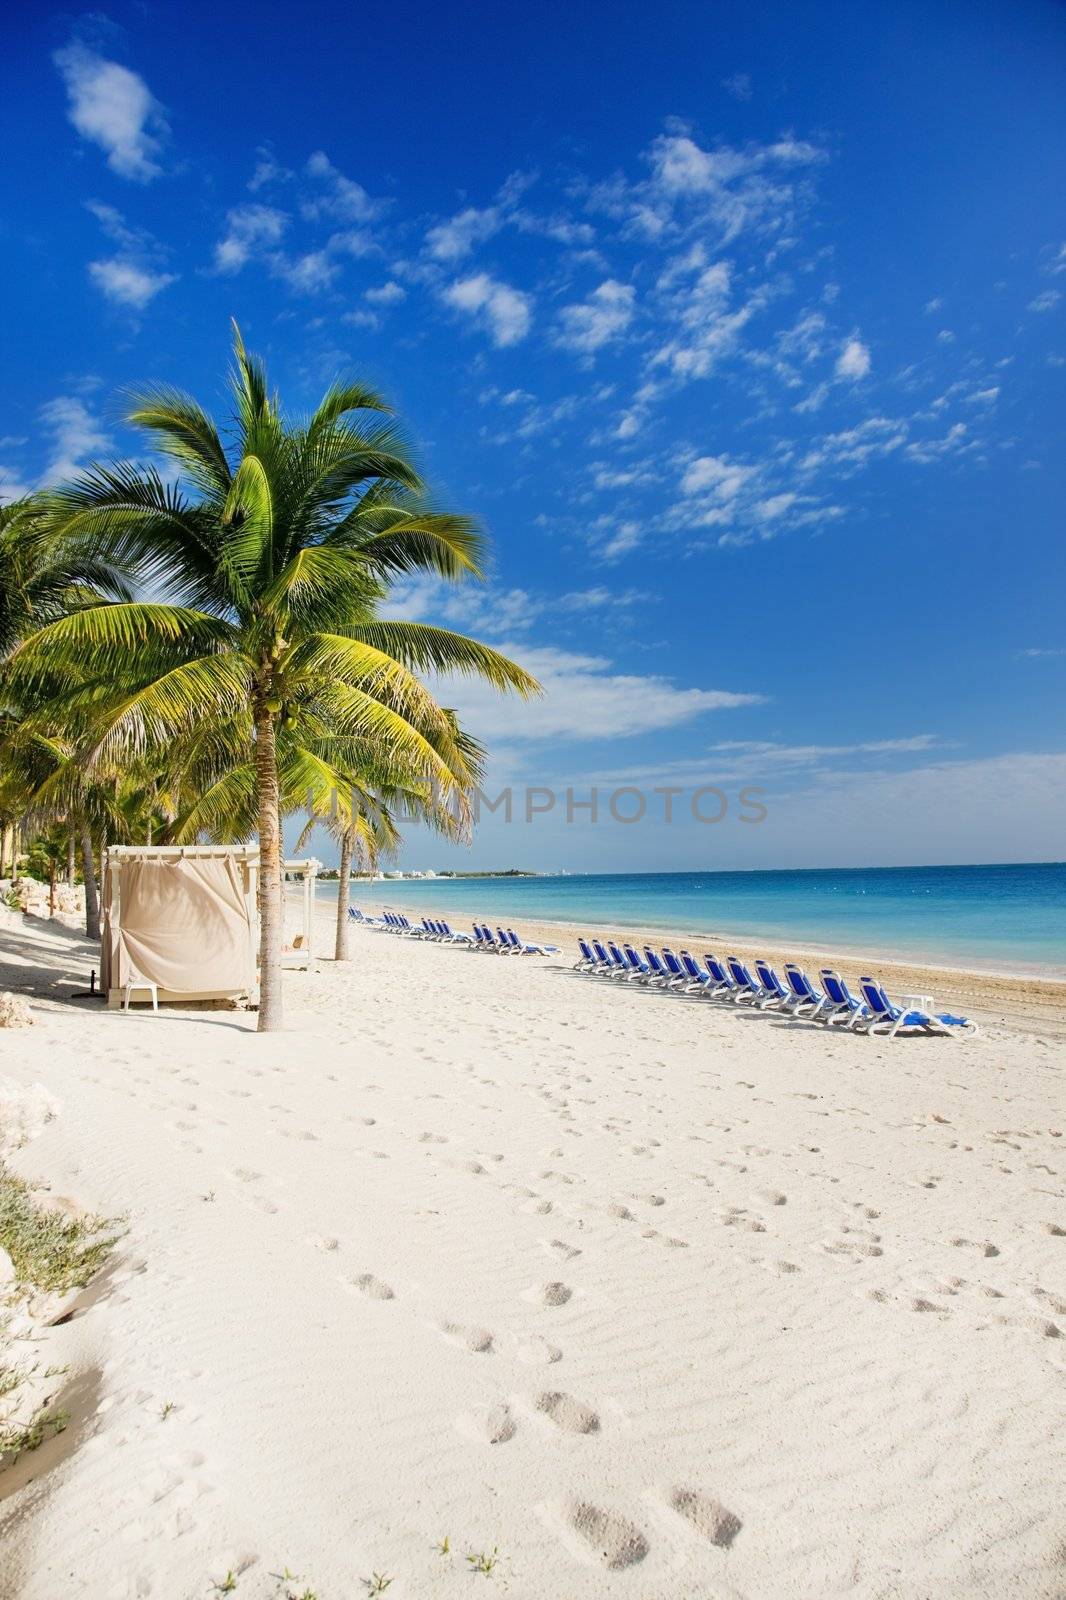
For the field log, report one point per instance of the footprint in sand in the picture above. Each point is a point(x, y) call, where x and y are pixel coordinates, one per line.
point(494, 1425)
point(669, 1239)
point(573, 1416)
point(478, 1341)
point(374, 1288)
point(538, 1352)
point(983, 1247)
point(322, 1241)
point(737, 1217)
point(559, 1250)
point(548, 1294)
point(613, 1541)
point(708, 1516)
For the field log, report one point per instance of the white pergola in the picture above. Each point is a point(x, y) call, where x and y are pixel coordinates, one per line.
point(307, 871)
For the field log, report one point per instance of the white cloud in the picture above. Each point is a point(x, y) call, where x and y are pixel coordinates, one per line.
point(719, 474)
point(853, 360)
point(127, 283)
point(342, 198)
point(1038, 654)
point(249, 228)
point(584, 699)
point(774, 506)
point(11, 485)
point(505, 312)
point(267, 171)
point(682, 167)
point(877, 436)
point(135, 275)
point(626, 537)
point(926, 450)
point(76, 434)
point(456, 238)
point(388, 294)
point(604, 315)
point(113, 108)
point(306, 274)
point(1047, 301)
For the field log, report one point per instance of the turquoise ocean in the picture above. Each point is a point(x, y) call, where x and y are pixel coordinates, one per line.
point(1010, 918)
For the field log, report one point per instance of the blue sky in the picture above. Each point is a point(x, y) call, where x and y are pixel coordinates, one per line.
point(743, 329)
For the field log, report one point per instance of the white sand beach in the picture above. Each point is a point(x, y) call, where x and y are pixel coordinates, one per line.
point(485, 1263)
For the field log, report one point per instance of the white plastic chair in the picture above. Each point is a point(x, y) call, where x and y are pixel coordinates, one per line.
point(135, 981)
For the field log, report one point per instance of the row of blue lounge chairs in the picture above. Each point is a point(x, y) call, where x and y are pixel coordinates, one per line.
point(505, 942)
point(731, 980)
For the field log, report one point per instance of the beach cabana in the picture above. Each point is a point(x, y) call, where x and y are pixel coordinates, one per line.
point(183, 917)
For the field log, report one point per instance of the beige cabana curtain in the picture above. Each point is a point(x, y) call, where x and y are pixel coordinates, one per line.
point(184, 924)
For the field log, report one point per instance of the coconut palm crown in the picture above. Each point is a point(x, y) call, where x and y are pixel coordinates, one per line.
point(265, 562)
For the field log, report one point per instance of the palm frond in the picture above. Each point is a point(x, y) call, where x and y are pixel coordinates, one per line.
point(185, 433)
point(423, 647)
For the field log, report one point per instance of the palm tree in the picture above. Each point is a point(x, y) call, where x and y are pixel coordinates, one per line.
point(44, 575)
point(269, 567)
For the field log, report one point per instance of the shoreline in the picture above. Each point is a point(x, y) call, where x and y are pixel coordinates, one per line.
point(1007, 998)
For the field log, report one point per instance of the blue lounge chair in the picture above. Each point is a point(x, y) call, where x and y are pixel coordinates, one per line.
point(449, 934)
point(771, 983)
point(605, 965)
point(639, 971)
point(843, 1006)
point(699, 979)
point(588, 960)
point(889, 1019)
point(806, 1001)
point(659, 973)
point(725, 983)
point(747, 987)
point(620, 967)
point(678, 977)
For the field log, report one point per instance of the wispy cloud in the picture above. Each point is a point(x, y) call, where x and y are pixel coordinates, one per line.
point(249, 228)
point(128, 284)
point(336, 196)
point(456, 238)
point(76, 435)
point(605, 315)
point(136, 274)
point(584, 698)
point(113, 108)
point(505, 312)
point(853, 360)
point(386, 294)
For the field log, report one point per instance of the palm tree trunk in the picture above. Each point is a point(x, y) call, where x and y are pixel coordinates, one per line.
point(270, 905)
point(92, 898)
point(344, 879)
point(51, 888)
point(70, 856)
